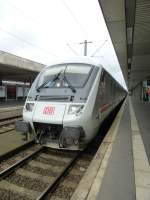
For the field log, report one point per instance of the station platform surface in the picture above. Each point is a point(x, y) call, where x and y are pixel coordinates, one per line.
point(10, 110)
point(142, 112)
point(127, 175)
point(11, 103)
point(118, 181)
point(10, 141)
point(123, 159)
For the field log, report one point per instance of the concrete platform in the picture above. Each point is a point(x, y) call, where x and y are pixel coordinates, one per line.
point(10, 141)
point(11, 109)
point(142, 112)
point(120, 169)
point(11, 103)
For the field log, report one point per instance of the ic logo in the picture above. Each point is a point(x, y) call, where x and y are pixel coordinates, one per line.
point(49, 110)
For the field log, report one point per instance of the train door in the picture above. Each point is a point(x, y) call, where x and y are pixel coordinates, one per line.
point(11, 92)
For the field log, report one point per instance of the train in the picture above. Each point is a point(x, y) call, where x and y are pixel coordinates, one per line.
point(67, 103)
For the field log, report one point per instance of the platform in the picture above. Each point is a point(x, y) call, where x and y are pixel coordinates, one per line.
point(10, 110)
point(121, 170)
point(10, 141)
point(142, 111)
point(11, 103)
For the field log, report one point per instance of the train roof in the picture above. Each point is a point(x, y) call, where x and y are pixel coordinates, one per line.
point(83, 60)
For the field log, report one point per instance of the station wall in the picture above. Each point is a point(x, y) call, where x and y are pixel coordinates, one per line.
point(13, 92)
point(142, 91)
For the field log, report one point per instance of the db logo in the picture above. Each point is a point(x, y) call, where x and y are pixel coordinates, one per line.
point(49, 110)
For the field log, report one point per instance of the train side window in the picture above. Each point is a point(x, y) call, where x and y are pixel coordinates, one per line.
point(103, 82)
point(102, 87)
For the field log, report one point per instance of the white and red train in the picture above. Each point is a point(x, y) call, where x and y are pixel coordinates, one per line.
point(67, 103)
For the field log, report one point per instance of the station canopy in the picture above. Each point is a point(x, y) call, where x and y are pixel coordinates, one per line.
point(128, 23)
point(14, 68)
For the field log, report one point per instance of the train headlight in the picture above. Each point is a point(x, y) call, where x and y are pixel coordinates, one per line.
point(75, 109)
point(29, 106)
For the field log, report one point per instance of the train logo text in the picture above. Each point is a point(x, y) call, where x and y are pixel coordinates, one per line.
point(49, 110)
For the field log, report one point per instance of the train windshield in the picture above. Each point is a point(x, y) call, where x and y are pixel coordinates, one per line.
point(67, 75)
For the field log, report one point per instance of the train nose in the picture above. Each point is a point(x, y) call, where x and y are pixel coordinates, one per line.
point(49, 112)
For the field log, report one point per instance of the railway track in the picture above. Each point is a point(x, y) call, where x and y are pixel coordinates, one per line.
point(59, 173)
point(45, 173)
point(63, 186)
point(66, 187)
point(8, 125)
point(35, 175)
point(22, 151)
point(8, 162)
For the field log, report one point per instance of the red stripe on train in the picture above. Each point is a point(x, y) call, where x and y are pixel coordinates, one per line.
point(105, 107)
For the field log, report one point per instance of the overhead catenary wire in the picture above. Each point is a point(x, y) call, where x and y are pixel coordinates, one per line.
point(26, 42)
point(85, 47)
point(68, 45)
point(34, 19)
point(75, 18)
point(37, 21)
point(22, 12)
point(99, 48)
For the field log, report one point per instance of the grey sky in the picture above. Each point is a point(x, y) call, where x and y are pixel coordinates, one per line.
point(40, 31)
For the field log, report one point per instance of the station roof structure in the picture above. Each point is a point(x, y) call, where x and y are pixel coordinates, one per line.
point(14, 68)
point(128, 23)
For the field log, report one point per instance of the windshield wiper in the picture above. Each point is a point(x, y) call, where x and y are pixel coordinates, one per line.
point(69, 84)
point(46, 82)
point(56, 78)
